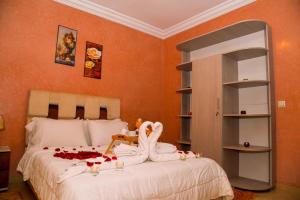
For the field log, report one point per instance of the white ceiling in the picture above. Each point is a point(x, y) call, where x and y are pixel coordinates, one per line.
point(161, 18)
point(160, 13)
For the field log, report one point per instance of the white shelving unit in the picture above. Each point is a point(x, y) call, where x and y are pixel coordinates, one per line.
point(246, 85)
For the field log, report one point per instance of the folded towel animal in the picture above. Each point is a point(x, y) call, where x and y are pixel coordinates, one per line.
point(129, 150)
point(157, 129)
point(162, 147)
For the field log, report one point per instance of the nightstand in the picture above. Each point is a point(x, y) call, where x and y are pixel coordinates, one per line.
point(4, 167)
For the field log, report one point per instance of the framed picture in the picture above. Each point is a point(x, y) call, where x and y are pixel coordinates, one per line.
point(65, 46)
point(93, 60)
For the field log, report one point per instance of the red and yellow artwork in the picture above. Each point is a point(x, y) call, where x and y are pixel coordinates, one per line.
point(93, 60)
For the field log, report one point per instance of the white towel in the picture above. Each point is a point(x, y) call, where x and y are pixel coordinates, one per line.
point(157, 129)
point(129, 150)
point(140, 157)
point(162, 147)
point(125, 150)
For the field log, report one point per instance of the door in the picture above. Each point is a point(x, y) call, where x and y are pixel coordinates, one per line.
point(206, 107)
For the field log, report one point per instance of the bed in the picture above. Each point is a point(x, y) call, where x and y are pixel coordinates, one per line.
point(195, 178)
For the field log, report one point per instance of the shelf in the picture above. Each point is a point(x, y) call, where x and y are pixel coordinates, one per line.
point(184, 90)
point(250, 149)
point(185, 66)
point(250, 184)
point(185, 116)
point(246, 115)
point(223, 34)
point(186, 142)
point(4, 149)
point(246, 83)
point(245, 54)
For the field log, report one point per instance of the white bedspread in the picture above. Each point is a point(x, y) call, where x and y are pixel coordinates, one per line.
point(192, 179)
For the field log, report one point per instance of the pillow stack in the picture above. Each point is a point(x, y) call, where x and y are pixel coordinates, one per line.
point(44, 132)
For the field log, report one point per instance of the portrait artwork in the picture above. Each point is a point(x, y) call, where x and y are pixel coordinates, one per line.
point(65, 46)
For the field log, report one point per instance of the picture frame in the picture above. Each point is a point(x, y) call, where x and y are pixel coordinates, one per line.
point(93, 60)
point(66, 43)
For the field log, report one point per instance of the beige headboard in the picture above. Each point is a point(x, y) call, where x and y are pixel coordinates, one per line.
point(40, 100)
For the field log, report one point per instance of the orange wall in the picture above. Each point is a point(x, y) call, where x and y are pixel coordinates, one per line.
point(283, 16)
point(138, 68)
point(131, 66)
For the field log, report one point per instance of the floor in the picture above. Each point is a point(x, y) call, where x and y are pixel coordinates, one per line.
point(281, 192)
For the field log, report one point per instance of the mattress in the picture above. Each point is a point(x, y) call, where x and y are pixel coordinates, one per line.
point(195, 178)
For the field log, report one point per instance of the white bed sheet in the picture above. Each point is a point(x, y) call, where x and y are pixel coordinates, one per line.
point(192, 179)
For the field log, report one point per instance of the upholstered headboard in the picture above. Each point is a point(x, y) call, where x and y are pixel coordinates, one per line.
point(39, 102)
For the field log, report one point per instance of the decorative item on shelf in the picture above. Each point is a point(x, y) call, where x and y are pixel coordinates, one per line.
point(93, 60)
point(246, 144)
point(2, 123)
point(243, 112)
point(245, 79)
point(65, 46)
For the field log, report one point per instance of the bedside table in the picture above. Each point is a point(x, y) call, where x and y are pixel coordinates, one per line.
point(4, 167)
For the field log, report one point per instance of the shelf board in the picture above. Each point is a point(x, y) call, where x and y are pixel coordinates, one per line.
point(246, 115)
point(186, 142)
point(4, 149)
point(223, 34)
point(250, 184)
point(184, 90)
point(249, 53)
point(250, 149)
point(246, 83)
point(185, 66)
point(185, 116)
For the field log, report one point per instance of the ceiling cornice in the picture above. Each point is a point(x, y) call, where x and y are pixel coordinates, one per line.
point(205, 16)
point(107, 13)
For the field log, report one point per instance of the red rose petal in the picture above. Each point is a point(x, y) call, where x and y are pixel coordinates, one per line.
point(81, 155)
point(57, 149)
point(114, 158)
point(45, 148)
point(107, 160)
point(98, 163)
point(89, 164)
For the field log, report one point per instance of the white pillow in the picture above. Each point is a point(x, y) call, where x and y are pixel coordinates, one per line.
point(101, 130)
point(52, 133)
point(31, 139)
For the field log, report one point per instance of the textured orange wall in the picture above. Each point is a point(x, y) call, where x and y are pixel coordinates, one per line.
point(138, 68)
point(131, 66)
point(283, 16)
